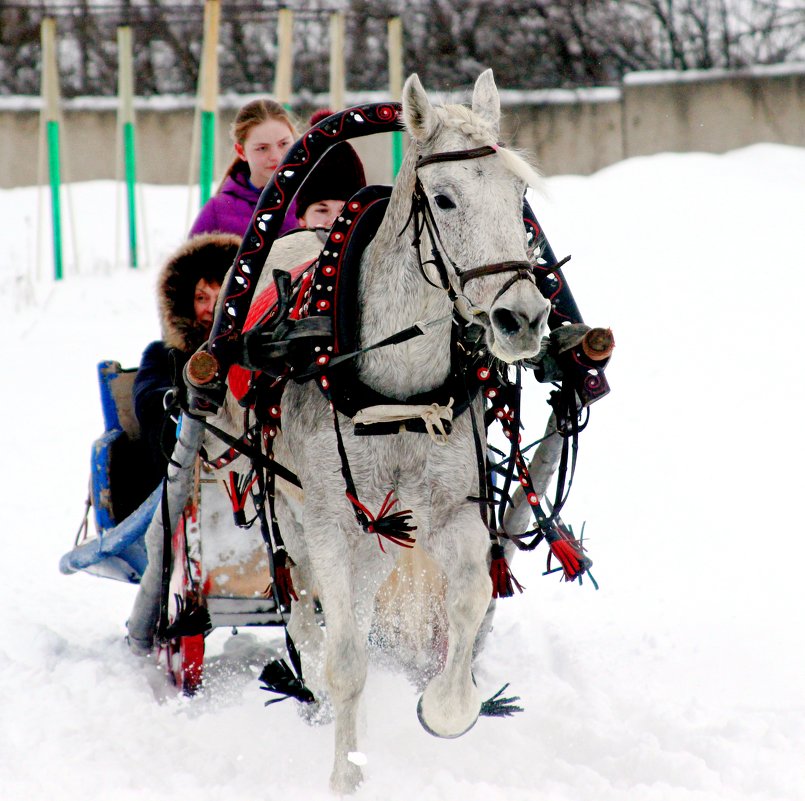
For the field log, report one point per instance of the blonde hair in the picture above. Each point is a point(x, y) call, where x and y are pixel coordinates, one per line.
point(255, 113)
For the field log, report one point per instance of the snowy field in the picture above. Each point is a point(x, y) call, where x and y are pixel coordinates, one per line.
point(680, 680)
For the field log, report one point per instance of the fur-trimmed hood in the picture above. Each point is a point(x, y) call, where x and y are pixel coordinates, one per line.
point(206, 256)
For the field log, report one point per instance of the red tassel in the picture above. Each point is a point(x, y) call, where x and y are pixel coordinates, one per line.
point(238, 491)
point(282, 576)
point(568, 550)
point(503, 580)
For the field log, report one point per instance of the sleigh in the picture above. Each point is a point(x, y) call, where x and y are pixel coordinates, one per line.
point(214, 566)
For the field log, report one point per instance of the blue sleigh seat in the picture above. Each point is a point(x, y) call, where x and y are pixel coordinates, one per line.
point(122, 494)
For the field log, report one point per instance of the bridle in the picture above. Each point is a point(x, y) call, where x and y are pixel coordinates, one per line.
point(421, 216)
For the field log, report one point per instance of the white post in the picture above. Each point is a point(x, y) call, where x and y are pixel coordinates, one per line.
point(208, 96)
point(283, 70)
point(337, 62)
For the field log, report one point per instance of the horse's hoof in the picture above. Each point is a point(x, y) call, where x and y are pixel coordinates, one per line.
point(346, 780)
point(429, 730)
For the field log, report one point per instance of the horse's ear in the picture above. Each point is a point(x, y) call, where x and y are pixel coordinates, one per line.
point(417, 109)
point(486, 100)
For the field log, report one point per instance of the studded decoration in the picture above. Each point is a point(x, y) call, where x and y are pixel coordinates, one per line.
point(274, 201)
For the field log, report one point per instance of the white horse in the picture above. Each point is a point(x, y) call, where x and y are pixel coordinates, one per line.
point(476, 202)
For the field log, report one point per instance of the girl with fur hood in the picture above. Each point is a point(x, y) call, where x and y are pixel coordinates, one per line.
point(186, 293)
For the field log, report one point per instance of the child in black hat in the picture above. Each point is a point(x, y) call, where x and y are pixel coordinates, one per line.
point(333, 181)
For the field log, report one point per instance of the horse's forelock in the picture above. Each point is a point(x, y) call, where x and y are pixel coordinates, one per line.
point(467, 122)
point(516, 164)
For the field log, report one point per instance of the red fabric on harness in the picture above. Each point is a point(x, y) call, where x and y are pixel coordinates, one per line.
point(239, 376)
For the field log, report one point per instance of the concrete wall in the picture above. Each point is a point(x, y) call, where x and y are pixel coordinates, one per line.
point(164, 145)
point(568, 132)
point(712, 112)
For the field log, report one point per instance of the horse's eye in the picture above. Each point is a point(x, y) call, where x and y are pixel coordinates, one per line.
point(444, 202)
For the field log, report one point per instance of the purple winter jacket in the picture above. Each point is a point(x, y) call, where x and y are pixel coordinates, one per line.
point(230, 210)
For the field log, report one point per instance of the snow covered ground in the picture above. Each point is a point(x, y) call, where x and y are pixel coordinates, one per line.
point(681, 679)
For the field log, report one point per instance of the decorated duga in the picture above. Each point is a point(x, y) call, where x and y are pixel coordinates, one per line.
point(351, 462)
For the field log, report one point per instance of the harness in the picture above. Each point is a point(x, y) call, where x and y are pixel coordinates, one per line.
point(302, 337)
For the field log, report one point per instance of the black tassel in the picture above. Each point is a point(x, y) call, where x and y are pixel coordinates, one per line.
point(238, 491)
point(497, 707)
point(280, 679)
point(394, 526)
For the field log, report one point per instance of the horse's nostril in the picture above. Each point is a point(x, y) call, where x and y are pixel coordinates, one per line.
point(538, 321)
point(509, 322)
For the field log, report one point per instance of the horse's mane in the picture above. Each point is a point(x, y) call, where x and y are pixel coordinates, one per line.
point(463, 119)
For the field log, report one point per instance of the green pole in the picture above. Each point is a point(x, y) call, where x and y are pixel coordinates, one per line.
point(125, 116)
point(207, 167)
point(131, 183)
point(50, 114)
point(395, 46)
point(396, 152)
point(55, 195)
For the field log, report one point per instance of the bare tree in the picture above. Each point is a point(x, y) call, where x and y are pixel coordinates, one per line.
point(705, 34)
point(530, 43)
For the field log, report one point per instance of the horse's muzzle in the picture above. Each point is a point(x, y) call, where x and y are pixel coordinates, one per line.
point(518, 321)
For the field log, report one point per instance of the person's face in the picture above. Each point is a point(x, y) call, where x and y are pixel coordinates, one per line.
point(321, 214)
point(204, 299)
point(264, 148)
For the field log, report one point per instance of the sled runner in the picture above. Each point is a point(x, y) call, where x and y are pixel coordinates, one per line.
point(214, 566)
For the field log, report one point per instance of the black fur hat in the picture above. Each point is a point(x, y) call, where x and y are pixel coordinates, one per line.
point(338, 176)
point(206, 256)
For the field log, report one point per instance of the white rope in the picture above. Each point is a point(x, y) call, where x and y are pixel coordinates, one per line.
point(434, 415)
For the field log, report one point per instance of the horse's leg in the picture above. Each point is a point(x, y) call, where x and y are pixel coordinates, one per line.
point(450, 704)
point(303, 626)
point(345, 661)
point(409, 620)
point(310, 641)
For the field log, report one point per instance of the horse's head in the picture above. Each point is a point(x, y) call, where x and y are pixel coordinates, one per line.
point(470, 194)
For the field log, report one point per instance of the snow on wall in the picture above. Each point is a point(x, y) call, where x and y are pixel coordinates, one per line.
point(567, 131)
point(697, 76)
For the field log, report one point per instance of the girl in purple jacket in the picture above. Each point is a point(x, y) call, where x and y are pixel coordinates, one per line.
point(262, 132)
